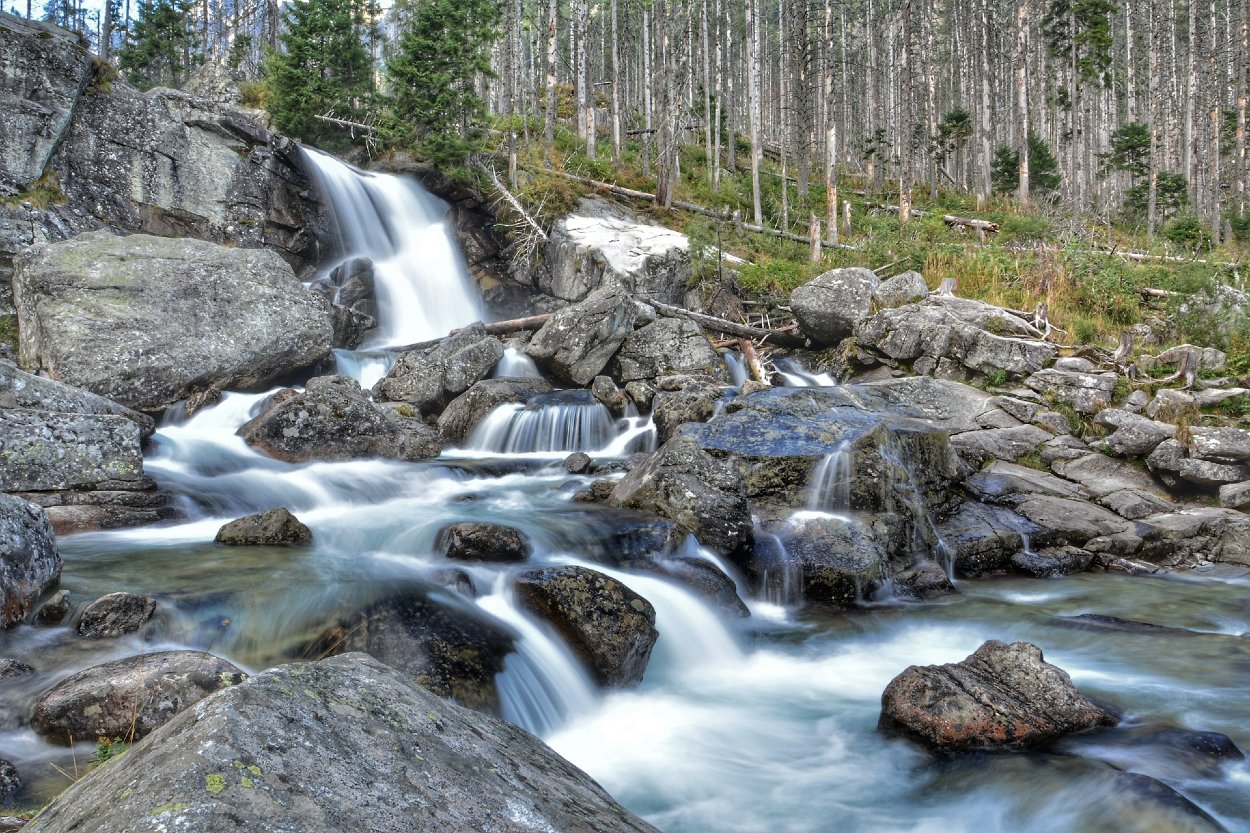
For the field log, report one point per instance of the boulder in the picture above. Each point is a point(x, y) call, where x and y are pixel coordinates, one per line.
point(1195, 536)
point(1171, 463)
point(1235, 495)
point(116, 614)
point(1064, 521)
point(334, 420)
point(476, 541)
point(829, 307)
point(38, 393)
point(1008, 483)
point(429, 379)
point(390, 756)
point(148, 321)
point(448, 646)
point(1087, 393)
point(578, 462)
point(576, 343)
point(1170, 405)
point(601, 244)
point(44, 451)
point(835, 560)
point(10, 782)
point(610, 627)
point(665, 347)
point(1001, 697)
point(29, 559)
point(12, 669)
point(981, 540)
point(112, 504)
point(696, 401)
point(1102, 475)
point(1052, 562)
point(977, 448)
point(1133, 435)
point(702, 495)
point(55, 610)
point(466, 411)
point(612, 397)
point(1220, 445)
point(906, 288)
point(272, 528)
point(129, 698)
point(935, 331)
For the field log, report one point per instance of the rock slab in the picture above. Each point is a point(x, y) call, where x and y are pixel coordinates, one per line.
point(1001, 697)
point(29, 559)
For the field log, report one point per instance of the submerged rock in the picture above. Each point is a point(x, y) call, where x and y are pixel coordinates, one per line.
point(475, 541)
point(390, 756)
point(29, 559)
point(131, 697)
point(1001, 697)
point(55, 610)
point(10, 781)
point(273, 527)
point(608, 625)
point(116, 614)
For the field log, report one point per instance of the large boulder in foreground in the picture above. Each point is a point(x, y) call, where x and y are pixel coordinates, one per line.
point(390, 756)
point(334, 420)
point(129, 698)
point(29, 559)
point(829, 306)
point(608, 625)
point(147, 321)
point(576, 343)
point(1001, 697)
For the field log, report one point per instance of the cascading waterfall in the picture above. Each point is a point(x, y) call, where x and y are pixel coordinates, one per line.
point(421, 282)
point(557, 423)
point(516, 365)
point(829, 489)
point(795, 375)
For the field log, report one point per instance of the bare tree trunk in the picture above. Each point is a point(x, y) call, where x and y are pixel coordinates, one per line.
point(1239, 154)
point(616, 88)
point(585, 97)
point(707, 94)
point(719, 83)
point(987, 153)
point(905, 127)
point(646, 92)
point(549, 130)
point(731, 122)
point(1191, 93)
point(753, 86)
point(831, 134)
point(1022, 96)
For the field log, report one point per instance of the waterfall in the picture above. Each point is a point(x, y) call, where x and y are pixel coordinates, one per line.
point(516, 365)
point(421, 281)
point(796, 375)
point(829, 489)
point(565, 421)
point(737, 368)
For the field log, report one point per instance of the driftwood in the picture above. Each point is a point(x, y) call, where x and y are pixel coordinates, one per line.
point(747, 348)
point(981, 226)
point(484, 165)
point(496, 328)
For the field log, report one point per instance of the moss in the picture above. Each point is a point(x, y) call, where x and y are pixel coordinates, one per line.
point(214, 783)
point(43, 192)
point(172, 807)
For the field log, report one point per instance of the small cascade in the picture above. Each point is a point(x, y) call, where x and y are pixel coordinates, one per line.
point(516, 365)
point(829, 489)
point(781, 580)
point(367, 368)
point(422, 284)
point(737, 368)
point(560, 423)
point(795, 375)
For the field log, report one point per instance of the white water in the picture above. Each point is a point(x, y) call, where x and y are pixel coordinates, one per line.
point(515, 364)
point(829, 489)
point(558, 424)
point(422, 284)
point(795, 375)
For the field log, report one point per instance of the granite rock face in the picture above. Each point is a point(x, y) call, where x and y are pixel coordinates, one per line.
point(29, 559)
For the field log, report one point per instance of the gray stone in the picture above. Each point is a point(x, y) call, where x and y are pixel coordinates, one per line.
point(37, 393)
point(996, 418)
point(1170, 462)
point(129, 698)
point(576, 343)
point(271, 528)
point(55, 610)
point(1001, 697)
point(610, 627)
point(1075, 364)
point(1054, 422)
point(1195, 536)
point(477, 541)
point(12, 669)
point(1051, 562)
point(1063, 521)
point(1133, 435)
point(1101, 475)
point(1007, 483)
point(1235, 496)
point(334, 420)
point(466, 411)
point(690, 487)
point(111, 505)
point(830, 306)
point(612, 397)
point(147, 321)
point(1220, 445)
point(116, 614)
point(10, 781)
point(429, 379)
point(981, 539)
point(403, 760)
point(1009, 444)
point(601, 244)
point(669, 346)
point(578, 462)
point(1020, 409)
point(835, 560)
point(696, 401)
point(45, 451)
point(907, 288)
point(1137, 401)
point(1135, 504)
point(29, 559)
point(1170, 405)
point(1087, 393)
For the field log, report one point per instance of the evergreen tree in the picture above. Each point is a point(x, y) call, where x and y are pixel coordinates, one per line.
point(441, 52)
point(1171, 194)
point(1044, 179)
point(1130, 151)
point(158, 51)
point(322, 68)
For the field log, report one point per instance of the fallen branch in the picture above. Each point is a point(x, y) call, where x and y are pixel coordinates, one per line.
point(747, 348)
point(984, 226)
point(497, 328)
point(507, 196)
point(782, 336)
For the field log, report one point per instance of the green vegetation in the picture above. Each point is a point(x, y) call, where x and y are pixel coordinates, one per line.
point(43, 192)
point(158, 52)
point(108, 749)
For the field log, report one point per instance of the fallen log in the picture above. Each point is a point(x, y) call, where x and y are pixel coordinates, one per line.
point(783, 336)
point(747, 348)
point(496, 328)
point(984, 226)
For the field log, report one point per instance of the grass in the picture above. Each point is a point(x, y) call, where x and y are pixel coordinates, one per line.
point(42, 193)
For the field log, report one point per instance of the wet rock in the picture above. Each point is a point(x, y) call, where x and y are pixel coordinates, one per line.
point(704, 579)
point(668, 346)
point(1087, 393)
point(11, 669)
point(1001, 697)
point(334, 420)
point(453, 650)
point(602, 244)
point(906, 288)
point(1052, 562)
point(476, 541)
point(599, 491)
point(466, 411)
point(29, 559)
point(983, 539)
point(112, 504)
point(1195, 536)
point(922, 581)
point(54, 610)
point(977, 448)
point(608, 625)
point(696, 401)
point(45, 451)
point(1008, 483)
point(129, 698)
point(690, 487)
point(641, 394)
point(937, 330)
point(403, 760)
point(829, 306)
point(1135, 504)
point(1170, 461)
point(1097, 621)
point(577, 463)
point(1133, 435)
point(576, 343)
point(836, 560)
point(116, 614)
point(147, 321)
point(273, 527)
point(428, 380)
point(1062, 521)
point(606, 391)
point(10, 781)
point(1235, 496)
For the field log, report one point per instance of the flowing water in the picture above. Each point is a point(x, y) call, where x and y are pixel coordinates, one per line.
point(766, 723)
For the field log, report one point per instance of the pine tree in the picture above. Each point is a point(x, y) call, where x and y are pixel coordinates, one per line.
point(322, 68)
point(441, 52)
point(1044, 177)
point(160, 46)
point(1130, 151)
